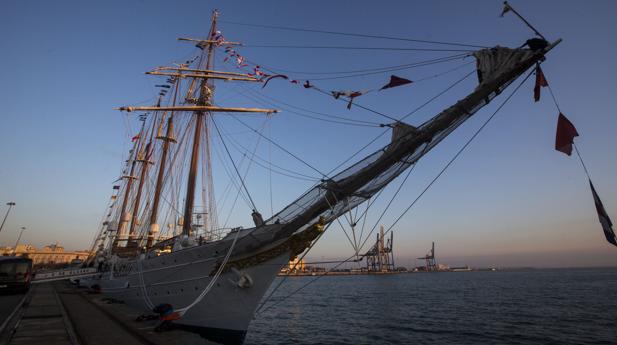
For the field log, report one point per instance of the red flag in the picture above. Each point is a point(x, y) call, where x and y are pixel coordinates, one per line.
point(396, 81)
point(607, 225)
point(135, 137)
point(540, 82)
point(565, 135)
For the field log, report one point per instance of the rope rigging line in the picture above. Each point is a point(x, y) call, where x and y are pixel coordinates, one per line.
point(415, 200)
point(353, 34)
point(274, 304)
point(297, 175)
point(182, 311)
point(398, 190)
point(243, 150)
point(279, 146)
point(248, 167)
point(458, 153)
point(265, 300)
point(263, 102)
point(578, 154)
point(385, 68)
point(352, 48)
point(428, 63)
point(437, 96)
point(342, 98)
point(409, 114)
point(276, 102)
point(234, 165)
point(232, 182)
point(346, 100)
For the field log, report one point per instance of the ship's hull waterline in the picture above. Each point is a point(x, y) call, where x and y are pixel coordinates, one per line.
point(178, 278)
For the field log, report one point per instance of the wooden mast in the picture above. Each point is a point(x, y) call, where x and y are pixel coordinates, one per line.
point(169, 137)
point(124, 218)
point(199, 106)
point(143, 158)
point(205, 97)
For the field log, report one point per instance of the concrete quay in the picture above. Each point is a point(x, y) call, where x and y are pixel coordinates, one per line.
point(59, 313)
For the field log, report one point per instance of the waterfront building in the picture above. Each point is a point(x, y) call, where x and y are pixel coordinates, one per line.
point(51, 255)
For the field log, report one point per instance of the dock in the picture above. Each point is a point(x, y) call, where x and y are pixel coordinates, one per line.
point(58, 313)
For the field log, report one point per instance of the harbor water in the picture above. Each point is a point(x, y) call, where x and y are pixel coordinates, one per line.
point(539, 306)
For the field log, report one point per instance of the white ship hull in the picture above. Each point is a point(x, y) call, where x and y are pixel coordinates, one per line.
point(178, 278)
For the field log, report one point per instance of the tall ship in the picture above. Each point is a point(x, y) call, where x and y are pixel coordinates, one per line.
point(164, 242)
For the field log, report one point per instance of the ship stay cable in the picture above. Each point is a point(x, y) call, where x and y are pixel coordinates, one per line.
point(234, 164)
point(273, 290)
point(343, 99)
point(404, 117)
point(578, 154)
point(428, 63)
point(251, 160)
point(345, 120)
point(232, 182)
point(263, 100)
point(346, 100)
point(279, 146)
point(353, 34)
point(413, 202)
point(353, 48)
point(375, 69)
point(243, 150)
point(458, 153)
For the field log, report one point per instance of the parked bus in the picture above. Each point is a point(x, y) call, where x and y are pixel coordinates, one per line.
point(15, 274)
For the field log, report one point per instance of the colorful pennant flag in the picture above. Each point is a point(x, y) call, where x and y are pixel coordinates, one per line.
point(396, 81)
point(540, 83)
point(566, 132)
point(607, 225)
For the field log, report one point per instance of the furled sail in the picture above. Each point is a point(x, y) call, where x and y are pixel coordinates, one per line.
point(331, 198)
point(494, 61)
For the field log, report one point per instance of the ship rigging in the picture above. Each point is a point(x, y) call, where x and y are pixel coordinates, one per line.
point(213, 276)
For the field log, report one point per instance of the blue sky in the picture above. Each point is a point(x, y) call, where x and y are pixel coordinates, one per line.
point(66, 64)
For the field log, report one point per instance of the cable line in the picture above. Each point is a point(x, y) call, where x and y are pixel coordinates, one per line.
point(417, 198)
point(234, 164)
point(410, 66)
point(353, 48)
point(346, 121)
point(436, 96)
point(458, 153)
point(360, 70)
point(353, 34)
point(279, 146)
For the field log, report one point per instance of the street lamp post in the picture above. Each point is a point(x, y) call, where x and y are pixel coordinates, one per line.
point(10, 204)
point(18, 238)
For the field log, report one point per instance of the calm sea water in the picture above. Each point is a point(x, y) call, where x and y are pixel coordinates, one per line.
point(557, 306)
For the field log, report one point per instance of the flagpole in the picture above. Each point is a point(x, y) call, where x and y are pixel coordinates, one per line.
point(507, 5)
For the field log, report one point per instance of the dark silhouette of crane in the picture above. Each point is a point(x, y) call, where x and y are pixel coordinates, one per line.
point(380, 258)
point(429, 259)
